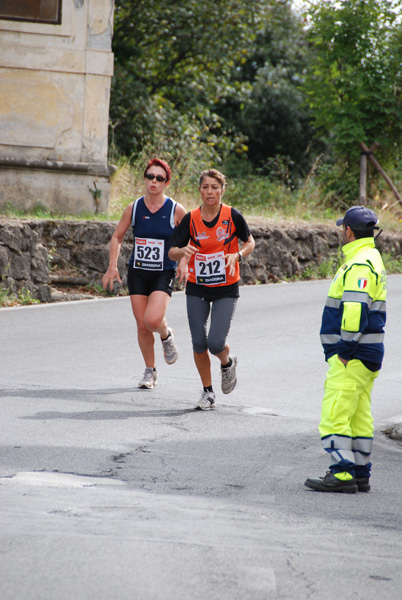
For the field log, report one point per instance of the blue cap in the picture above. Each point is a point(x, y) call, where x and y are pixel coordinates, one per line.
point(359, 218)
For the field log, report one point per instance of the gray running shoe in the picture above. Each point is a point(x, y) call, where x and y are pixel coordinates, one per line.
point(169, 348)
point(229, 376)
point(206, 402)
point(149, 379)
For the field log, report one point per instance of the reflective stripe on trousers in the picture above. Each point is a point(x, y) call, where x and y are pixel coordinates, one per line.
point(346, 425)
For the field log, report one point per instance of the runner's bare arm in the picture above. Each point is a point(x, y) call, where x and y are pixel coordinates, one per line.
point(112, 272)
point(246, 249)
point(176, 253)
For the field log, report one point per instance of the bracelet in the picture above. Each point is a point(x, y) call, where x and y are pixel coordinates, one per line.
point(240, 256)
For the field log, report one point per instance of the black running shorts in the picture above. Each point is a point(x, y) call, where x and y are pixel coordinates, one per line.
point(143, 283)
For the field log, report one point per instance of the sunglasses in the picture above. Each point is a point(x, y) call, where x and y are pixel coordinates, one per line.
point(151, 177)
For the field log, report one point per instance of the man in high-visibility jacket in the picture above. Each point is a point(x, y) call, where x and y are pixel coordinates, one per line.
point(352, 335)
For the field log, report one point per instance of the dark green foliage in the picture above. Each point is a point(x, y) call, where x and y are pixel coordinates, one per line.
point(354, 82)
point(254, 88)
point(217, 81)
point(173, 65)
point(274, 116)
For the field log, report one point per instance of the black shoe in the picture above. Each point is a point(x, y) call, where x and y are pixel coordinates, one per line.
point(363, 484)
point(330, 483)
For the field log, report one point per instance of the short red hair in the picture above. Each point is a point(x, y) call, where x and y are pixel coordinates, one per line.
point(158, 162)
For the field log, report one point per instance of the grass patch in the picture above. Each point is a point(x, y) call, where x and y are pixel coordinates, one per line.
point(21, 298)
point(40, 212)
point(325, 270)
point(392, 264)
point(255, 196)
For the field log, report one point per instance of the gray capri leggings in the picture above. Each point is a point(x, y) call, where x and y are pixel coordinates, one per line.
point(198, 310)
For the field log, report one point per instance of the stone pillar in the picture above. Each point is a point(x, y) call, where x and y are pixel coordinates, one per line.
point(55, 75)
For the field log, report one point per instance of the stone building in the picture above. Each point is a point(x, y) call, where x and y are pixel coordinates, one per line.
point(56, 66)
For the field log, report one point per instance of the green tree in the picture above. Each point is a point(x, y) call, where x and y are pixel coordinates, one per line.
point(354, 84)
point(173, 62)
point(274, 116)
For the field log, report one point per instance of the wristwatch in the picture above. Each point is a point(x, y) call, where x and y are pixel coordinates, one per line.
point(240, 256)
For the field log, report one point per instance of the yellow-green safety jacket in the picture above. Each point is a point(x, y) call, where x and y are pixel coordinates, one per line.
point(355, 311)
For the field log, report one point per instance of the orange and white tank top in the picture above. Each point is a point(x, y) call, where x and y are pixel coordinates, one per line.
point(207, 266)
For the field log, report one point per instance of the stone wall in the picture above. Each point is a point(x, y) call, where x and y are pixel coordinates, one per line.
point(42, 255)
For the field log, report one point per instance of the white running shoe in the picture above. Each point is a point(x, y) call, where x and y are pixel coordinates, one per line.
point(170, 351)
point(206, 402)
point(149, 380)
point(229, 379)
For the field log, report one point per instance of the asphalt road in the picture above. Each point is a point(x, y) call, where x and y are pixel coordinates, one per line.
point(110, 492)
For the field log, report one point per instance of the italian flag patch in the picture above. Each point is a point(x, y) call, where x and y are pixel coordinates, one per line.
point(362, 283)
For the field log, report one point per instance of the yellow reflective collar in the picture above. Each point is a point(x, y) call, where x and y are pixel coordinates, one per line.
point(353, 248)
